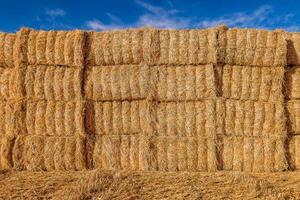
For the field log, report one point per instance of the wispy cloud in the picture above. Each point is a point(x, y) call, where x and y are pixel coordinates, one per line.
point(255, 18)
point(155, 16)
point(58, 12)
point(53, 19)
point(98, 25)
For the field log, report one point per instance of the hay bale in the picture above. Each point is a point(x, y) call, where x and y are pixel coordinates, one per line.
point(293, 48)
point(121, 47)
point(50, 118)
point(18, 153)
point(125, 152)
point(55, 47)
point(293, 113)
point(227, 153)
point(220, 117)
point(69, 153)
point(53, 83)
point(33, 153)
point(185, 83)
point(255, 83)
point(182, 154)
point(248, 154)
point(162, 162)
point(188, 46)
point(21, 48)
point(55, 118)
point(10, 84)
point(293, 83)
point(49, 153)
point(172, 157)
point(13, 117)
point(7, 42)
point(39, 47)
point(250, 47)
point(147, 154)
point(40, 122)
point(182, 119)
point(126, 117)
point(58, 84)
point(202, 155)
point(253, 154)
point(6, 148)
point(59, 150)
point(269, 147)
point(281, 163)
point(80, 154)
point(121, 152)
point(40, 153)
point(294, 152)
point(261, 118)
point(238, 154)
point(111, 152)
point(126, 82)
point(50, 44)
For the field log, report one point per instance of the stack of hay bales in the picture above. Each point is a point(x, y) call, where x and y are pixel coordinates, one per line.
point(149, 100)
point(293, 98)
point(10, 95)
point(251, 112)
point(151, 96)
point(46, 124)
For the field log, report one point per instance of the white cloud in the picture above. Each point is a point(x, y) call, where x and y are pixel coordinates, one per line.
point(255, 18)
point(98, 25)
point(58, 12)
point(53, 19)
point(154, 16)
point(160, 17)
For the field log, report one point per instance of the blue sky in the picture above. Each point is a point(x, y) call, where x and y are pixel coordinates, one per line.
point(115, 14)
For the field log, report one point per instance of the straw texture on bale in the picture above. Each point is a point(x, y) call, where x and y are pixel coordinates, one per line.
point(253, 83)
point(293, 48)
point(293, 111)
point(293, 82)
point(185, 83)
point(251, 118)
point(152, 46)
point(121, 117)
point(294, 152)
point(120, 82)
point(12, 118)
point(250, 47)
point(56, 118)
point(36, 153)
point(53, 83)
point(10, 84)
point(6, 147)
point(7, 42)
point(55, 47)
point(254, 154)
point(133, 152)
point(194, 118)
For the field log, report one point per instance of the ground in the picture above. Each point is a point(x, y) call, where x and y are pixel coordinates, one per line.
point(148, 185)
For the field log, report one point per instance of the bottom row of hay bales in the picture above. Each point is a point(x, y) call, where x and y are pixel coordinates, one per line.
point(141, 153)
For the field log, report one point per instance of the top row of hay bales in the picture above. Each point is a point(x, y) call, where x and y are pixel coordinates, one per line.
point(153, 46)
